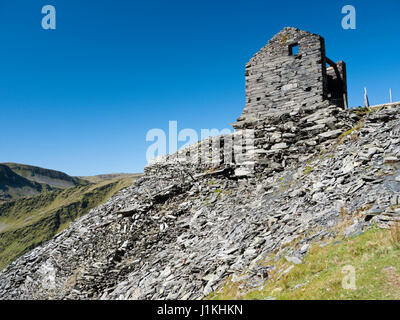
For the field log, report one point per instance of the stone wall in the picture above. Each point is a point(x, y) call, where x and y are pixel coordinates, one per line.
point(229, 150)
point(288, 138)
point(279, 79)
point(263, 146)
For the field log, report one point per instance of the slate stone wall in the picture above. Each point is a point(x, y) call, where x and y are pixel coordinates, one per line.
point(281, 79)
point(235, 150)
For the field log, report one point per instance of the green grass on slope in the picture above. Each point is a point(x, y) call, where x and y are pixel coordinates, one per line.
point(374, 255)
point(28, 222)
point(104, 177)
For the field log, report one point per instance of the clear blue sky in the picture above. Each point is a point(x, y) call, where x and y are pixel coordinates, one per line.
point(81, 98)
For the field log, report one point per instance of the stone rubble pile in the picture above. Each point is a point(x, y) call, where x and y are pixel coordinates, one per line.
point(182, 229)
point(285, 138)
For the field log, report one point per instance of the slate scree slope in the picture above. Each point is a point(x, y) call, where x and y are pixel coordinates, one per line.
point(229, 206)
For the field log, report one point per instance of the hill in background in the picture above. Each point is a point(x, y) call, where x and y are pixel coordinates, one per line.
point(27, 222)
point(20, 180)
point(14, 186)
point(53, 178)
point(108, 177)
point(38, 203)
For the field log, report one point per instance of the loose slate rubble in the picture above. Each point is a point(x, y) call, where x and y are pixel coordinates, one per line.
point(170, 236)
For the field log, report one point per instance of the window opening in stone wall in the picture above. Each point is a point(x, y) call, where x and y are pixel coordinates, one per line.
point(293, 49)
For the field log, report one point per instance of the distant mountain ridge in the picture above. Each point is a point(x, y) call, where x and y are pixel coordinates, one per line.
point(13, 186)
point(21, 180)
point(53, 178)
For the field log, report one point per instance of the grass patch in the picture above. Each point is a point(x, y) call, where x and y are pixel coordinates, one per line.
point(374, 256)
point(307, 170)
point(352, 133)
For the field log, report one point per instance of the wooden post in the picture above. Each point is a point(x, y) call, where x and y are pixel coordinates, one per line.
point(366, 102)
point(390, 90)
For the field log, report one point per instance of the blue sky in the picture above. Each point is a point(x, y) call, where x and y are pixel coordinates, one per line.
point(81, 98)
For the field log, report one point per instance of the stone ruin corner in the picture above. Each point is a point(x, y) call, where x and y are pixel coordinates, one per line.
point(292, 72)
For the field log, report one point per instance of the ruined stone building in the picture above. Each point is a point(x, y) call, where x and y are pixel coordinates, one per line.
point(292, 72)
point(296, 103)
point(296, 100)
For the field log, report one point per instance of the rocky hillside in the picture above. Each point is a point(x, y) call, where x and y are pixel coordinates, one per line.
point(182, 231)
point(27, 222)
